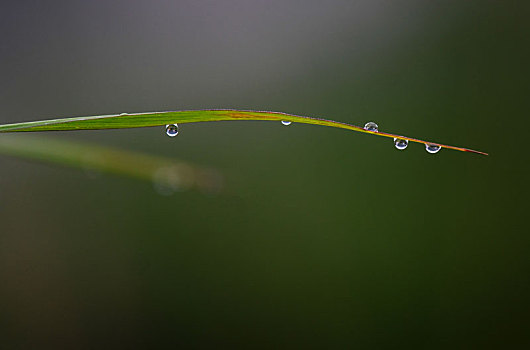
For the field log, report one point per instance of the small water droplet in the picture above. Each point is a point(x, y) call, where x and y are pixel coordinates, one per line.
point(172, 130)
point(286, 122)
point(401, 144)
point(371, 126)
point(432, 148)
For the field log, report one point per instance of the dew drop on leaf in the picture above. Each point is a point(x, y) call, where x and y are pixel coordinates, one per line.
point(286, 122)
point(401, 144)
point(371, 126)
point(432, 148)
point(172, 130)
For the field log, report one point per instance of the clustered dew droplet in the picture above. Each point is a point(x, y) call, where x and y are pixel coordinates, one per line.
point(432, 148)
point(401, 144)
point(371, 126)
point(172, 130)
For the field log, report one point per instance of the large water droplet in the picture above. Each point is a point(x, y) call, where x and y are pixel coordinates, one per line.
point(432, 148)
point(286, 122)
point(371, 126)
point(172, 130)
point(401, 144)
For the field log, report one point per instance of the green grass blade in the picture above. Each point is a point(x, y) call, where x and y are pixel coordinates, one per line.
point(138, 120)
point(167, 174)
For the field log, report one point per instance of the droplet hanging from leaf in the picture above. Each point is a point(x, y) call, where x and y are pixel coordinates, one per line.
point(400, 144)
point(172, 130)
point(431, 148)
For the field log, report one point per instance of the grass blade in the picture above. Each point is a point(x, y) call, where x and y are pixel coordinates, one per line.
point(167, 174)
point(138, 120)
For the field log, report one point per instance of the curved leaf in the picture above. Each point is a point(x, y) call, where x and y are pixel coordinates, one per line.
point(137, 120)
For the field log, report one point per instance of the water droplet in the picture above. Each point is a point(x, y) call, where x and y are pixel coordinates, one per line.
point(432, 148)
point(172, 130)
point(286, 122)
point(123, 113)
point(401, 144)
point(371, 126)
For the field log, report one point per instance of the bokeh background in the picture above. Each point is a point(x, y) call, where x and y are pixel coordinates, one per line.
point(320, 237)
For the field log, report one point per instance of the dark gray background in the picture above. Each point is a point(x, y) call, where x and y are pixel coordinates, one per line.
point(322, 237)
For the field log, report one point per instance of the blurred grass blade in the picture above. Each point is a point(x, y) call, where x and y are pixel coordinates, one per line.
point(167, 174)
point(138, 120)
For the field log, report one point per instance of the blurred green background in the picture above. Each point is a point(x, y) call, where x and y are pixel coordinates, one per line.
point(321, 237)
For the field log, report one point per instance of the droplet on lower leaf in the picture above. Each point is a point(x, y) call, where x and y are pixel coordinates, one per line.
point(286, 122)
point(371, 126)
point(401, 144)
point(172, 130)
point(431, 148)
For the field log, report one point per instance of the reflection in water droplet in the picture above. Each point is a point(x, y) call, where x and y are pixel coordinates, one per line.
point(432, 148)
point(371, 126)
point(172, 130)
point(401, 144)
point(286, 122)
